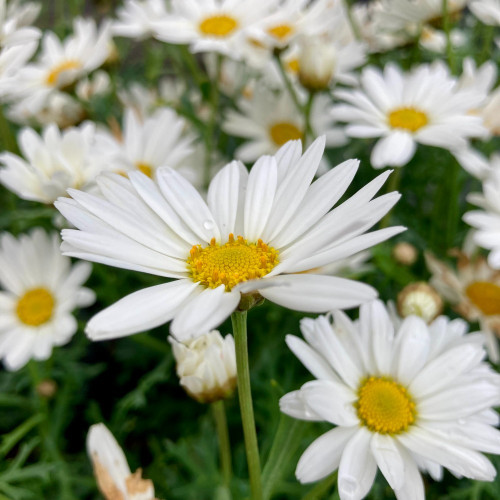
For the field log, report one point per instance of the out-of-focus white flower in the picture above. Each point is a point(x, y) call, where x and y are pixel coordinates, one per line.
point(476, 163)
point(146, 144)
point(256, 234)
point(424, 106)
point(136, 18)
point(61, 63)
point(404, 399)
point(419, 299)
point(435, 40)
point(206, 366)
point(52, 163)
point(15, 19)
point(316, 64)
point(13, 58)
point(40, 289)
point(473, 290)
point(269, 121)
point(59, 108)
point(490, 112)
point(405, 253)
point(97, 84)
point(487, 11)
point(487, 220)
point(218, 26)
point(111, 470)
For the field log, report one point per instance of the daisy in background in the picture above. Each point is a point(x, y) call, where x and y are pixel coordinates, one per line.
point(473, 290)
point(52, 162)
point(403, 400)
point(61, 63)
point(147, 143)
point(269, 120)
point(111, 470)
point(476, 163)
point(136, 18)
point(40, 289)
point(217, 25)
point(487, 11)
point(15, 20)
point(254, 237)
point(424, 106)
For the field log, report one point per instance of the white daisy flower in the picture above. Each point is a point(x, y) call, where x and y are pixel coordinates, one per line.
point(254, 237)
point(146, 144)
point(52, 163)
point(210, 25)
point(206, 366)
point(62, 63)
point(13, 58)
point(487, 11)
point(270, 120)
point(15, 19)
point(403, 400)
point(111, 470)
point(487, 220)
point(136, 18)
point(424, 106)
point(476, 163)
point(40, 289)
point(291, 19)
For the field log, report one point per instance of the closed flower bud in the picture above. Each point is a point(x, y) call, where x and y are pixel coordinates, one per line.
point(420, 299)
point(405, 253)
point(316, 63)
point(206, 366)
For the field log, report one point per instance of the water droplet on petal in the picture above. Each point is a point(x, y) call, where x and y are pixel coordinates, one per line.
point(208, 225)
point(348, 487)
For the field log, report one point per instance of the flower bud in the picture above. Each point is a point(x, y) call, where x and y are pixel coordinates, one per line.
point(111, 470)
point(405, 253)
point(206, 366)
point(317, 60)
point(421, 300)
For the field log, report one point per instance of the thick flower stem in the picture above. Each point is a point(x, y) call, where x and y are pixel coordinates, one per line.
point(239, 321)
point(219, 413)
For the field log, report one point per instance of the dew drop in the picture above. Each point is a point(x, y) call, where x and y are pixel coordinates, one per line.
point(208, 225)
point(348, 487)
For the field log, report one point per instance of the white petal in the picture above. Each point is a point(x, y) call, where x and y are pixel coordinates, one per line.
point(140, 311)
point(293, 404)
point(397, 149)
point(389, 460)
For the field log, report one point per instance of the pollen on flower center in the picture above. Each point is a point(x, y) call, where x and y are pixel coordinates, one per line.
point(485, 296)
point(35, 307)
point(232, 263)
point(145, 169)
point(220, 25)
point(385, 406)
point(53, 76)
point(283, 132)
point(281, 31)
point(408, 118)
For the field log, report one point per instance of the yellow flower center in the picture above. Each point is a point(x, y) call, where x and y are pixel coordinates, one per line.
point(54, 74)
point(220, 25)
point(293, 65)
point(145, 169)
point(35, 307)
point(283, 132)
point(408, 118)
point(385, 406)
point(281, 31)
point(232, 263)
point(485, 296)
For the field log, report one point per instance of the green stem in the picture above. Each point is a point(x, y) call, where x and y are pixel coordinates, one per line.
point(354, 24)
point(488, 35)
point(49, 444)
point(239, 321)
point(8, 139)
point(288, 83)
point(392, 185)
point(321, 489)
point(219, 413)
point(192, 65)
point(285, 443)
point(446, 27)
point(309, 132)
point(452, 204)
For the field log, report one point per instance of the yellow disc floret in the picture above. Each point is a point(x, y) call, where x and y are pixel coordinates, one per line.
point(53, 76)
point(485, 296)
point(35, 307)
point(408, 118)
point(281, 31)
point(283, 132)
point(145, 169)
point(385, 406)
point(232, 263)
point(219, 26)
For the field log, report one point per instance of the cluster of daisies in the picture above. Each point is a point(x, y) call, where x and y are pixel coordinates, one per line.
point(155, 190)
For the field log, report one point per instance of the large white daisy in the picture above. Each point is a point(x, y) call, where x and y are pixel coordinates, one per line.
point(416, 398)
point(426, 105)
point(40, 289)
point(255, 236)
